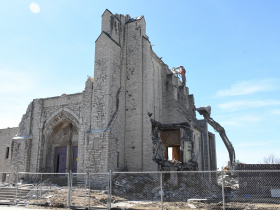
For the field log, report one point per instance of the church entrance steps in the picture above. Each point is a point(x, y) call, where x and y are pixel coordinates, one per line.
point(9, 193)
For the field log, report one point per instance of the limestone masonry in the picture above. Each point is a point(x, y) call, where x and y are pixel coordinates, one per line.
point(106, 126)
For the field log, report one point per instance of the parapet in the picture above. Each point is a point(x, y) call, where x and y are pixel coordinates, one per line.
point(113, 24)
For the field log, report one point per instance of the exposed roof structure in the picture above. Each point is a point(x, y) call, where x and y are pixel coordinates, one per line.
point(134, 19)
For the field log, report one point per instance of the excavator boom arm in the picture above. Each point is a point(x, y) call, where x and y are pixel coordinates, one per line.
point(206, 112)
point(224, 137)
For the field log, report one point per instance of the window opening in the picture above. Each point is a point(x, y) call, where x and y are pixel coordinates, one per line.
point(7, 152)
point(169, 149)
point(4, 176)
point(118, 159)
point(173, 152)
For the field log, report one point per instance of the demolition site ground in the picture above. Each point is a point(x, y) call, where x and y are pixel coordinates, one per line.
point(143, 191)
point(57, 199)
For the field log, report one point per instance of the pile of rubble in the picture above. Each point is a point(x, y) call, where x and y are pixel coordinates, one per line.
point(176, 187)
point(184, 187)
point(229, 181)
point(137, 186)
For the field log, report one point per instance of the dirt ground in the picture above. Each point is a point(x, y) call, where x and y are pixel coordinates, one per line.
point(57, 199)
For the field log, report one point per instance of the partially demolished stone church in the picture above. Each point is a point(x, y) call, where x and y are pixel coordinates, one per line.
point(106, 126)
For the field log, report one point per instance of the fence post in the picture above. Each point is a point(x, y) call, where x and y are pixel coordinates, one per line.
point(71, 183)
point(41, 186)
point(16, 188)
point(68, 182)
point(223, 191)
point(110, 189)
point(88, 190)
point(161, 191)
point(69, 188)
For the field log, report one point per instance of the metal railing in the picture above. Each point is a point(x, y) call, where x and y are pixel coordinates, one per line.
point(147, 190)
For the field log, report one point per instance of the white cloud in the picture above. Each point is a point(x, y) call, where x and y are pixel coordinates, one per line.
point(247, 87)
point(251, 144)
point(276, 112)
point(234, 105)
point(15, 81)
point(242, 120)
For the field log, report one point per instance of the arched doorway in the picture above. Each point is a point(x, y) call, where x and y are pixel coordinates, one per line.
point(61, 147)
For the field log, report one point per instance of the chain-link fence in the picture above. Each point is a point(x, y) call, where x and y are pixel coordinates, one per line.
point(191, 190)
point(99, 186)
point(132, 188)
point(252, 189)
point(44, 189)
point(145, 190)
point(78, 190)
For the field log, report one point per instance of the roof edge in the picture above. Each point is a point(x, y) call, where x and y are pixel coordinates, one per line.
point(111, 14)
point(105, 11)
point(109, 37)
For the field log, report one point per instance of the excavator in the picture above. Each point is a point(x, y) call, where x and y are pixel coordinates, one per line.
point(205, 111)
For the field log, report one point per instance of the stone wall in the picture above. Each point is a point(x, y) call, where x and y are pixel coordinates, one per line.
point(6, 136)
point(213, 154)
point(20, 154)
point(102, 142)
point(198, 149)
point(205, 140)
point(134, 97)
point(38, 124)
point(85, 123)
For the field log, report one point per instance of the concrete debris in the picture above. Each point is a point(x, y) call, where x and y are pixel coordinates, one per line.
point(147, 186)
point(49, 196)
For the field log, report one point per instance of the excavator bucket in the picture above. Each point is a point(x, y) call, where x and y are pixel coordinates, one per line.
point(205, 111)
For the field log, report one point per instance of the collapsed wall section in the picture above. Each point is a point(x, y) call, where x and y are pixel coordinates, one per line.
point(36, 133)
point(25, 147)
point(85, 122)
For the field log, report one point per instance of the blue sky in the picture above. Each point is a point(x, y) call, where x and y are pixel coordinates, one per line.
point(230, 49)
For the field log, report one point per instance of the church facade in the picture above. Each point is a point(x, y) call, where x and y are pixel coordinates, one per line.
point(106, 126)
